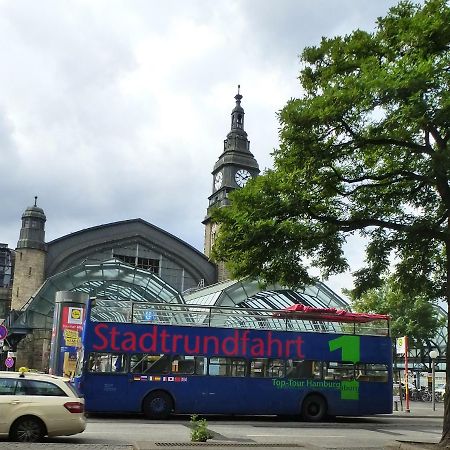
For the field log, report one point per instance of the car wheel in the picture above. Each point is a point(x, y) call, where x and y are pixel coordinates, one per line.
point(314, 408)
point(27, 429)
point(158, 405)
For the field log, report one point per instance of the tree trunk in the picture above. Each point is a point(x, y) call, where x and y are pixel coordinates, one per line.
point(445, 440)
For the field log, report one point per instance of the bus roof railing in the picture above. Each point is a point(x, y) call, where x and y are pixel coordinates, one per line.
point(325, 321)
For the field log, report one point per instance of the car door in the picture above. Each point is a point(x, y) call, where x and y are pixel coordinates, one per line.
point(13, 402)
point(7, 388)
point(47, 402)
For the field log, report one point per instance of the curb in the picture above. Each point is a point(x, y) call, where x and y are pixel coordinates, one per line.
point(411, 445)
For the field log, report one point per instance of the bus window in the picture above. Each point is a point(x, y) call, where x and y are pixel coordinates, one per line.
point(183, 364)
point(334, 370)
point(267, 367)
point(200, 365)
point(258, 367)
point(317, 370)
point(298, 368)
point(372, 372)
point(148, 363)
point(275, 368)
point(228, 367)
point(107, 362)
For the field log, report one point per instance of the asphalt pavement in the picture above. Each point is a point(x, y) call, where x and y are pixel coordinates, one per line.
point(416, 410)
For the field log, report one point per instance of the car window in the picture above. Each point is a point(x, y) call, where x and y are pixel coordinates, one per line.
point(34, 387)
point(73, 388)
point(7, 386)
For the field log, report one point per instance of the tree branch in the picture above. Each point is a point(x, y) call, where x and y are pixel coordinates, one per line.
point(358, 224)
point(415, 148)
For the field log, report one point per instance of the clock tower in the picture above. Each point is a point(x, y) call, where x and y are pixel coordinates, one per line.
point(235, 166)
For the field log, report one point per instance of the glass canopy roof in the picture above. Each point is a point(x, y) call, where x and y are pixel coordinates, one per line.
point(250, 294)
point(112, 279)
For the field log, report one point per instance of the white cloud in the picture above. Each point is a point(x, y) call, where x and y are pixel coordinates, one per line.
point(112, 109)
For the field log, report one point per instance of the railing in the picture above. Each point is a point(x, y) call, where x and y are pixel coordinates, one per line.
point(228, 317)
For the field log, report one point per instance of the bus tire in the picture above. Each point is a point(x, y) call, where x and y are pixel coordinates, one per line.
point(314, 408)
point(157, 405)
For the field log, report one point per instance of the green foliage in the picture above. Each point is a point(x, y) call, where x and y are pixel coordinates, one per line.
point(199, 429)
point(412, 316)
point(364, 151)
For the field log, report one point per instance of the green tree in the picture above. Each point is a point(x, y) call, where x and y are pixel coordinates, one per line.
point(364, 150)
point(411, 315)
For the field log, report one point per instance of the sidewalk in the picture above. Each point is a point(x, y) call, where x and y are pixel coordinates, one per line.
point(420, 409)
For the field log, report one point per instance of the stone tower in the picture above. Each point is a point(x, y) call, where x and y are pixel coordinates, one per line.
point(30, 256)
point(235, 166)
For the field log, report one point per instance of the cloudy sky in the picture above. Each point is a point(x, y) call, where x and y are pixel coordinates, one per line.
point(117, 109)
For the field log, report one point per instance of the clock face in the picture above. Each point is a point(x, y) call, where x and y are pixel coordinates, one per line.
point(218, 180)
point(241, 177)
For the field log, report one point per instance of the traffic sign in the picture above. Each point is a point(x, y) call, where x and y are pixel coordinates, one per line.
point(9, 362)
point(3, 331)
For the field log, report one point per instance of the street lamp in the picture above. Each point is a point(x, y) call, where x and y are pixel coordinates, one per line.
point(433, 355)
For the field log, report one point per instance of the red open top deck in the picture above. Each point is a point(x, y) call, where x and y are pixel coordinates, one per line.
point(300, 311)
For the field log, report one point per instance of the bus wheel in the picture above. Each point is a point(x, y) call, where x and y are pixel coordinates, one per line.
point(314, 408)
point(157, 405)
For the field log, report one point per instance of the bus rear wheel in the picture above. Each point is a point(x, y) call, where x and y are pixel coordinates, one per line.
point(314, 408)
point(157, 405)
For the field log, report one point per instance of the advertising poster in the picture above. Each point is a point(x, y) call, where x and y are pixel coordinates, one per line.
point(71, 327)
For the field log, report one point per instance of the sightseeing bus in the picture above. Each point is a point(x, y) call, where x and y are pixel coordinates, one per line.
point(160, 359)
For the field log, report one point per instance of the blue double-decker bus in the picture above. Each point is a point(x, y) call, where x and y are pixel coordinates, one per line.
point(161, 359)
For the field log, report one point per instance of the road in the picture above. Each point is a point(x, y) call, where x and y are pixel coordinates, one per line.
point(128, 432)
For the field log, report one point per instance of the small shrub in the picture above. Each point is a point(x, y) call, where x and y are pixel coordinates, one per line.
point(199, 431)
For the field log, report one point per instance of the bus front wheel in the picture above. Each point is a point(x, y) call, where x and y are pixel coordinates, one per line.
point(314, 408)
point(158, 405)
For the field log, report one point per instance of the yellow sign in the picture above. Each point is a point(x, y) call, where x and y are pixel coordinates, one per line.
point(75, 316)
point(71, 338)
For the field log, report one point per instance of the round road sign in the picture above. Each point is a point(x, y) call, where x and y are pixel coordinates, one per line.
point(3, 331)
point(9, 362)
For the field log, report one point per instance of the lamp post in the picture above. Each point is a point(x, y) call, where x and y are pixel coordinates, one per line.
point(433, 355)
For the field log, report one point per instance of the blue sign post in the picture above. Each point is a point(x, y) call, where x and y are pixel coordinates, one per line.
point(3, 332)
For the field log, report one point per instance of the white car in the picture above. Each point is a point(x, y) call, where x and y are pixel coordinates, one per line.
point(34, 405)
point(440, 390)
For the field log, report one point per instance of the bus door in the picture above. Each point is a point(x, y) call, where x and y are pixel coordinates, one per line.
point(264, 380)
point(223, 390)
point(106, 382)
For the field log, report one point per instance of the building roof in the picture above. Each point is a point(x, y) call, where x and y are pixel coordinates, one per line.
point(111, 279)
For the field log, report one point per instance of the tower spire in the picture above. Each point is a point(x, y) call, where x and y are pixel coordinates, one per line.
point(237, 115)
